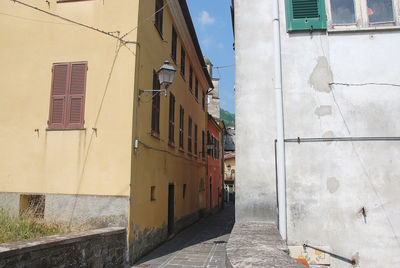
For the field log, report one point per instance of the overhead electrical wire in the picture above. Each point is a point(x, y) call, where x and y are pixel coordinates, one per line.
point(141, 23)
point(34, 20)
point(72, 21)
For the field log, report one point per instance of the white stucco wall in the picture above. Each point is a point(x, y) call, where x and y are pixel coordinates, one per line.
point(327, 183)
point(255, 111)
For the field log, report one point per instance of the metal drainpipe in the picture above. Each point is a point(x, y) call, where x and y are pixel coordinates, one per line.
point(136, 143)
point(279, 124)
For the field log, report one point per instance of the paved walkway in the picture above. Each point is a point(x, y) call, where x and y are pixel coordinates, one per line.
point(201, 245)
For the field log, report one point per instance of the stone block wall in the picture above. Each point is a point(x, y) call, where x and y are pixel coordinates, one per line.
point(96, 248)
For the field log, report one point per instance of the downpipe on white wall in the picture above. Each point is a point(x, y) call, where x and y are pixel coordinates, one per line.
point(281, 169)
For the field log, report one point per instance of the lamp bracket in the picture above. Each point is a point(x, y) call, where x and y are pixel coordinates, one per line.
point(153, 90)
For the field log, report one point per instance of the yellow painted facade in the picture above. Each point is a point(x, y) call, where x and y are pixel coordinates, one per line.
point(100, 159)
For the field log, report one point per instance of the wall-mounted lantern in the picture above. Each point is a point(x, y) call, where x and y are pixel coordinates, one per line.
point(165, 75)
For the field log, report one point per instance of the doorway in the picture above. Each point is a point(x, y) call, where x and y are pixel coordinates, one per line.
point(171, 203)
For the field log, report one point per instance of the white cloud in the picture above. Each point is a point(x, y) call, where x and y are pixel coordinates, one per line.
point(206, 42)
point(205, 18)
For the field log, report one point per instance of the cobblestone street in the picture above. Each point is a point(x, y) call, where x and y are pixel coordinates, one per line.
point(201, 245)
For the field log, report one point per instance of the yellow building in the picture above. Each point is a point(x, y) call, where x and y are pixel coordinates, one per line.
point(79, 139)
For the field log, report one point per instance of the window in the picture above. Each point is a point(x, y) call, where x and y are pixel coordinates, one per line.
point(181, 126)
point(354, 15)
point(203, 100)
point(214, 153)
point(183, 62)
point(173, 44)
point(216, 149)
point(190, 79)
point(195, 139)
point(343, 12)
point(305, 15)
point(159, 16)
point(67, 101)
point(152, 193)
point(380, 11)
point(202, 145)
point(190, 135)
point(155, 108)
point(171, 119)
point(184, 191)
point(196, 89)
point(209, 142)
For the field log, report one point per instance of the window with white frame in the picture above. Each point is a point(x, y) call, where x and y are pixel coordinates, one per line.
point(362, 13)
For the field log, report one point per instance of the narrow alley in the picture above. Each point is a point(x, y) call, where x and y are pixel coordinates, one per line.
point(201, 245)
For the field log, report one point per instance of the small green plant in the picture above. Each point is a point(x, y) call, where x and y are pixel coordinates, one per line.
point(26, 226)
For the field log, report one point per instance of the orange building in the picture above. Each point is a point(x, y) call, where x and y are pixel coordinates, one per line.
point(214, 185)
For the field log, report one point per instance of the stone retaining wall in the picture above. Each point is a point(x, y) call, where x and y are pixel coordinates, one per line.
point(96, 248)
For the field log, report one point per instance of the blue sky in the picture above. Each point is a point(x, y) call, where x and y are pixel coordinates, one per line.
point(212, 20)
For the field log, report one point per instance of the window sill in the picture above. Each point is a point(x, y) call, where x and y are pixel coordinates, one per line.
point(181, 150)
point(365, 29)
point(155, 134)
point(171, 144)
point(64, 129)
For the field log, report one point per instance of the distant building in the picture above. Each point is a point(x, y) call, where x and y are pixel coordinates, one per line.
point(229, 139)
point(213, 100)
point(229, 176)
point(216, 129)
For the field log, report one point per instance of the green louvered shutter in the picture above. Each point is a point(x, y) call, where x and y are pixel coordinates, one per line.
point(302, 15)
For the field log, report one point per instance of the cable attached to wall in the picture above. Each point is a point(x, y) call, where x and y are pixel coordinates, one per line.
point(364, 84)
point(168, 152)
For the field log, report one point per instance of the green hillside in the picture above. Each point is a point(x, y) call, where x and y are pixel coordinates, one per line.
point(229, 119)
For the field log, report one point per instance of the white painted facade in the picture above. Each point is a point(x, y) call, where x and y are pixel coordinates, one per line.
point(328, 183)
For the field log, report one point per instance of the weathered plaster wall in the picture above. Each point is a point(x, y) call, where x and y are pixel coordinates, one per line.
point(327, 183)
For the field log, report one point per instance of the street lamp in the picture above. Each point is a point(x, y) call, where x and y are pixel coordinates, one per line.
point(165, 75)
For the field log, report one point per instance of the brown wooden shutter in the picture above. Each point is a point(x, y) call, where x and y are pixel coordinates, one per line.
point(155, 111)
point(76, 98)
point(58, 97)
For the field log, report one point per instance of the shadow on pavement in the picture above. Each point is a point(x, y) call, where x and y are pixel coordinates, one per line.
point(212, 229)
